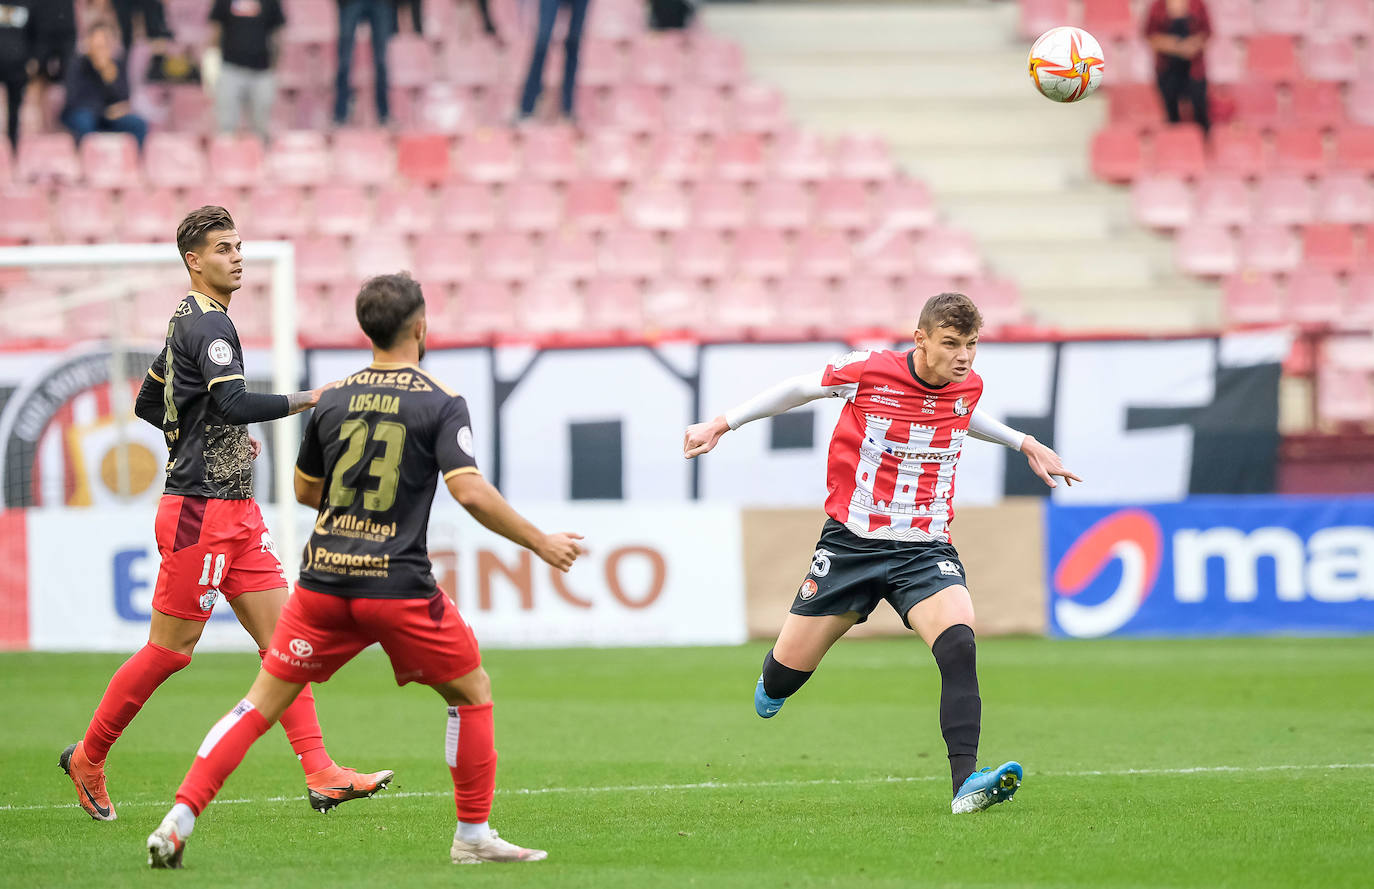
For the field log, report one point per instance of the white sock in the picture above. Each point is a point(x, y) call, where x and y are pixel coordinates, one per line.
point(473, 833)
point(185, 819)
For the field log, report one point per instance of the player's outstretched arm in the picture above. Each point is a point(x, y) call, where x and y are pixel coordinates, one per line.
point(793, 392)
point(486, 505)
point(1043, 461)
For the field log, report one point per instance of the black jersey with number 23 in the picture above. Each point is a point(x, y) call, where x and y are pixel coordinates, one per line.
point(378, 441)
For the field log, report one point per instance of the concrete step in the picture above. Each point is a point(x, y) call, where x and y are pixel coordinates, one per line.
point(842, 77)
point(1182, 307)
point(1009, 216)
point(854, 28)
point(992, 170)
point(1008, 124)
point(1133, 261)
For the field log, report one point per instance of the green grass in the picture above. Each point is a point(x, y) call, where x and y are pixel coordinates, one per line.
point(612, 731)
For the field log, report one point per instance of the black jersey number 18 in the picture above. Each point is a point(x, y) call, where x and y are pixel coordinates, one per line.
point(386, 469)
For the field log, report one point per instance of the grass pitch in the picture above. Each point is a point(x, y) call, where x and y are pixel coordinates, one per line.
point(639, 768)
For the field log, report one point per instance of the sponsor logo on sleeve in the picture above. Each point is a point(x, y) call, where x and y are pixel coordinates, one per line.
point(301, 648)
point(850, 358)
point(220, 352)
point(465, 441)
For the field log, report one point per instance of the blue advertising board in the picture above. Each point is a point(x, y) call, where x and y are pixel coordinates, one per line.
point(1212, 566)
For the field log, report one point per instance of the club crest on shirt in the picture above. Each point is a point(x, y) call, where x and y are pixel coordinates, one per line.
point(960, 409)
point(220, 352)
point(465, 440)
point(808, 589)
point(207, 601)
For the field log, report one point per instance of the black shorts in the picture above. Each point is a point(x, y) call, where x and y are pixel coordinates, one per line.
point(853, 573)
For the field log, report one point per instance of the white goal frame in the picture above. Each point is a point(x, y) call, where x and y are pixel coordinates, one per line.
point(287, 365)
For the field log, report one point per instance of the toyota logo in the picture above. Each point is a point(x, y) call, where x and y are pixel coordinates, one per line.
point(301, 648)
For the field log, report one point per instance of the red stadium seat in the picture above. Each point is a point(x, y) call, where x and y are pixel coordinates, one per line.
point(276, 211)
point(905, 204)
point(613, 303)
point(1352, 351)
point(1330, 57)
point(1137, 105)
point(532, 207)
point(486, 307)
point(1344, 396)
point(713, 60)
point(380, 253)
point(474, 66)
point(1224, 200)
point(866, 158)
point(1038, 16)
point(759, 108)
point(1359, 102)
point(1206, 250)
point(1352, 17)
point(237, 161)
point(802, 156)
point(468, 208)
point(1315, 298)
point(550, 305)
point(601, 64)
point(947, 251)
point(1359, 304)
point(614, 155)
point(110, 160)
point(1180, 151)
point(312, 21)
point(445, 108)
point(1318, 103)
point(843, 204)
point(366, 157)
point(85, 215)
point(1133, 64)
point(657, 59)
point(342, 210)
point(488, 156)
point(423, 157)
point(410, 62)
point(322, 259)
point(678, 157)
point(508, 256)
point(632, 253)
point(1226, 61)
point(782, 204)
point(1299, 150)
point(637, 108)
point(48, 158)
point(700, 254)
point(1109, 19)
point(1345, 196)
point(570, 253)
point(406, 208)
point(1161, 201)
point(1252, 299)
point(1272, 58)
point(1238, 151)
point(1232, 18)
point(658, 206)
point(1116, 154)
point(1269, 248)
point(1329, 247)
point(549, 153)
point(887, 252)
point(592, 204)
point(1256, 103)
point(1283, 16)
point(808, 307)
point(742, 304)
point(26, 217)
point(152, 214)
point(1285, 199)
point(739, 157)
point(762, 253)
point(864, 301)
point(698, 109)
point(442, 259)
point(299, 157)
point(998, 299)
point(1355, 149)
point(720, 206)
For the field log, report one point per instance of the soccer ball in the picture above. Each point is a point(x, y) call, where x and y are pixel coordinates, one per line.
point(1066, 64)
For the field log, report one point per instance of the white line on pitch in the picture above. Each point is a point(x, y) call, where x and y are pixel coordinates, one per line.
point(748, 785)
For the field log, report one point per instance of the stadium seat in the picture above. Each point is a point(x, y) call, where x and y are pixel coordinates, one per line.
point(1355, 149)
point(1206, 250)
point(1179, 151)
point(467, 208)
point(1232, 18)
point(889, 252)
point(442, 259)
point(843, 204)
point(592, 204)
point(1136, 105)
point(637, 108)
point(807, 307)
point(699, 253)
point(423, 157)
point(1315, 298)
point(698, 109)
point(720, 206)
point(1238, 151)
point(152, 214)
point(759, 108)
point(1319, 104)
point(236, 160)
point(1329, 247)
point(1162, 201)
point(570, 253)
point(1116, 155)
point(110, 160)
point(1345, 196)
point(299, 157)
point(1256, 103)
point(312, 21)
point(739, 157)
point(532, 207)
point(26, 217)
point(906, 205)
point(613, 155)
point(1133, 64)
point(613, 303)
point(380, 253)
point(1252, 299)
point(947, 251)
point(741, 304)
point(406, 207)
point(658, 206)
point(173, 160)
point(1272, 58)
point(488, 156)
point(782, 204)
point(1269, 248)
point(322, 259)
point(865, 158)
point(1351, 351)
point(998, 300)
point(549, 153)
point(1330, 57)
point(508, 256)
point(485, 307)
point(1299, 150)
point(1224, 200)
point(762, 253)
point(86, 215)
point(601, 64)
point(1344, 396)
point(1352, 17)
point(410, 61)
point(678, 157)
point(276, 211)
point(366, 157)
point(1285, 199)
point(1226, 61)
point(866, 301)
point(48, 158)
point(802, 156)
point(1038, 16)
point(341, 209)
point(1109, 19)
point(657, 60)
point(714, 60)
point(1359, 299)
point(631, 253)
point(550, 305)
point(1283, 16)
point(446, 109)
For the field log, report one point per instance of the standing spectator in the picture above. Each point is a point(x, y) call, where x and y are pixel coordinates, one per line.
point(17, 24)
point(98, 91)
point(154, 28)
point(534, 81)
point(1178, 31)
point(247, 33)
point(380, 16)
point(53, 48)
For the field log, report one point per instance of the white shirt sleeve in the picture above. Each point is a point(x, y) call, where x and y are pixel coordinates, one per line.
point(790, 393)
point(985, 428)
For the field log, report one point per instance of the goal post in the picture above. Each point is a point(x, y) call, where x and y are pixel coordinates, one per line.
point(121, 296)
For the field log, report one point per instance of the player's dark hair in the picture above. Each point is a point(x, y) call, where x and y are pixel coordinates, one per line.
point(199, 223)
point(950, 310)
point(386, 304)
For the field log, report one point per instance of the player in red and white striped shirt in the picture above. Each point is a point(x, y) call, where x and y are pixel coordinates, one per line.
point(890, 478)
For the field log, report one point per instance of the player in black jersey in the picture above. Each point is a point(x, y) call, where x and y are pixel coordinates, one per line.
point(210, 532)
point(368, 464)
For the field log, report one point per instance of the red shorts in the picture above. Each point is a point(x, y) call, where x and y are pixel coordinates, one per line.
point(427, 640)
point(211, 548)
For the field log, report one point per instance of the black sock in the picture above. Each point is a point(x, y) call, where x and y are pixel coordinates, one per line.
point(780, 681)
point(961, 710)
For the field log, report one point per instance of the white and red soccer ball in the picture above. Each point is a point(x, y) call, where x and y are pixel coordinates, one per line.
point(1066, 64)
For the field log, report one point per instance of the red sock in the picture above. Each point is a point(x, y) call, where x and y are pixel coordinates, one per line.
point(219, 754)
point(470, 749)
point(302, 727)
point(130, 687)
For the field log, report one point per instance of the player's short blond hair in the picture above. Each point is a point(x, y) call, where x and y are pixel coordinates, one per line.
point(950, 310)
point(199, 223)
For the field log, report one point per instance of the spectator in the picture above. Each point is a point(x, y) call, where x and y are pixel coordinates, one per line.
point(247, 33)
point(534, 81)
point(17, 24)
point(1178, 31)
point(380, 16)
point(98, 91)
point(54, 46)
